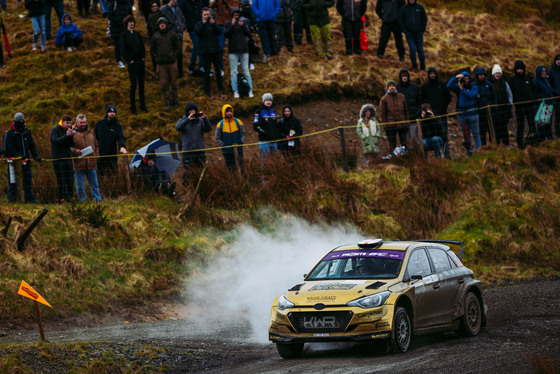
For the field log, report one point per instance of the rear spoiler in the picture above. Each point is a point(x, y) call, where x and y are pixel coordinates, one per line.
point(455, 245)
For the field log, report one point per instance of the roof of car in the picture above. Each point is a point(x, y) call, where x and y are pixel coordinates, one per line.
point(393, 245)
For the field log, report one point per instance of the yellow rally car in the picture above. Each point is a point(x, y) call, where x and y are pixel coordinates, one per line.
point(377, 290)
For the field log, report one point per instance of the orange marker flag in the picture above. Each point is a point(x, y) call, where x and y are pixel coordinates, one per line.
point(26, 290)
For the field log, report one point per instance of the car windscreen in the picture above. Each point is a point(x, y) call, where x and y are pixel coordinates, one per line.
point(367, 264)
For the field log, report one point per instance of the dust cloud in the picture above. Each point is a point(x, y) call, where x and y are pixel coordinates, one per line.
point(239, 288)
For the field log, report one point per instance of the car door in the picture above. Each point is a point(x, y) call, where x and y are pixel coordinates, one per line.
point(449, 282)
point(424, 295)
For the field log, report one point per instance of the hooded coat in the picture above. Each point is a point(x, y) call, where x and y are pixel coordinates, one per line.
point(237, 35)
point(20, 143)
point(229, 131)
point(412, 18)
point(118, 10)
point(543, 89)
point(466, 97)
point(266, 10)
point(35, 7)
point(290, 128)
point(192, 131)
point(351, 10)
point(435, 92)
point(412, 93)
point(369, 131)
point(522, 86)
point(393, 108)
point(486, 92)
point(165, 46)
point(388, 10)
point(64, 30)
point(109, 135)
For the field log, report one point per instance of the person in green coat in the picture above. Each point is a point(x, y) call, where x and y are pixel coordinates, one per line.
point(369, 131)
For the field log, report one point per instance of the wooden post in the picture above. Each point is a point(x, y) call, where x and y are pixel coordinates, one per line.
point(343, 147)
point(5, 231)
point(195, 192)
point(127, 175)
point(21, 239)
point(490, 125)
point(39, 321)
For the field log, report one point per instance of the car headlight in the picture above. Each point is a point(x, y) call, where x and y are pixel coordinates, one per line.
point(370, 301)
point(284, 303)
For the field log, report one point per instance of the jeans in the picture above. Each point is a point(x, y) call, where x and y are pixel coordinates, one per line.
point(267, 33)
point(39, 28)
point(243, 58)
point(433, 144)
point(103, 5)
point(27, 183)
point(80, 184)
point(64, 172)
point(194, 53)
point(416, 43)
point(468, 121)
point(268, 148)
point(58, 6)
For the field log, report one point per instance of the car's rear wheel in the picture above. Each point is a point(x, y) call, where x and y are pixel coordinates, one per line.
point(294, 350)
point(402, 331)
point(472, 317)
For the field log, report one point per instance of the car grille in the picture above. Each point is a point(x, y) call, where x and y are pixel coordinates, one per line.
point(305, 322)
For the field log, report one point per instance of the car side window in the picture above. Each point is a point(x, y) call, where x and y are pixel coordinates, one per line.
point(418, 263)
point(440, 259)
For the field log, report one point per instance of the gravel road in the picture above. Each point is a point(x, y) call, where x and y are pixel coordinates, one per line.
point(523, 320)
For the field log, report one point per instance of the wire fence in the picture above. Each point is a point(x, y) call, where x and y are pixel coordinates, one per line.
point(341, 143)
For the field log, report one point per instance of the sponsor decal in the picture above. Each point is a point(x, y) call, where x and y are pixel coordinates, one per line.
point(321, 335)
point(315, 299)
point(381, 324)
point(381, 336)
point(372, 253)
point(333, 287)
point(427, 280)
point(325, 322)
point(370, 314)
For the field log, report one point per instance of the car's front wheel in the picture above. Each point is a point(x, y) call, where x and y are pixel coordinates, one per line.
point(294, 350)
point(472, 317)
point(402, 331)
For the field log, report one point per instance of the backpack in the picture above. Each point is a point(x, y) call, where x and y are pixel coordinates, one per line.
point(242, 85)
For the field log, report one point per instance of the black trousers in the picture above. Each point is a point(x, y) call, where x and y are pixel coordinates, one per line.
point(524, 112)
point(64, 172)
point(484, 125)
point(229, 158)
point(386, 29)
point(392, 133)
point(284, 35)
point(351, 30)
point(107, 166)
point(209, 60)
point(137, 73)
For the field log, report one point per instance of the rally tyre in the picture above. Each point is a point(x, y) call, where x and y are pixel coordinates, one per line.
point(290, 350)
point(472, 318)
point(402, 331)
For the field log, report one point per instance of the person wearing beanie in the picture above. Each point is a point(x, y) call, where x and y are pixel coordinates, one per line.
point(522, 89)
point(502, 112)
point(192, 126)
point(134, 55)
point(554, 78)
point(109, 134)
point(265, 123)
point(394, 115)
point(413, 21)
point(62, 141)
point(486, 103)
point(435, 93)
point(165, 48)
point(369, 131)
point(237, 33)
point(467, 115)
point(20, 148)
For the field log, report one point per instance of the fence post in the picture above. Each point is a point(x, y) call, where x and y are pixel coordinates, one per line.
point(21, 240)
point(127, 175)
point(491, 123)
point(343, 147)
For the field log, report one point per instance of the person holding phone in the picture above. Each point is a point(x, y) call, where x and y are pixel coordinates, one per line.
point(192, 126)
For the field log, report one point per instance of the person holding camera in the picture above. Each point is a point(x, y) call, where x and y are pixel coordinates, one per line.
point(208, 32)
point(433, 134)
point(467, 115)
point(62, 141)
point(192, 127)
point(237, 33)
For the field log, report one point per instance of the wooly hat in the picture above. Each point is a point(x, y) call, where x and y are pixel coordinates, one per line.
point(266, 96)
point(111, 108)
point(391, 82)
point(19, 117)
point(162, 19)
point(496, 69)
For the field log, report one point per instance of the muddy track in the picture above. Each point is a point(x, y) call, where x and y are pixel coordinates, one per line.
point(523, 320)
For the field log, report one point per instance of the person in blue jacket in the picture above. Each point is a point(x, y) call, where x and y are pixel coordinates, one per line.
point(466, 108)
point(265, 123)
point(266, 12)
point(543, 90)
point(68, 35)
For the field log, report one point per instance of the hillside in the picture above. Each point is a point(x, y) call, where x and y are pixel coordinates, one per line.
point(135, 249)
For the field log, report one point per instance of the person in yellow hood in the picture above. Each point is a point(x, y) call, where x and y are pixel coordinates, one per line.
point(230, 135)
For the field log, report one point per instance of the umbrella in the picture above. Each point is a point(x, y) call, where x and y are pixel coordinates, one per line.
point(167, 158)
